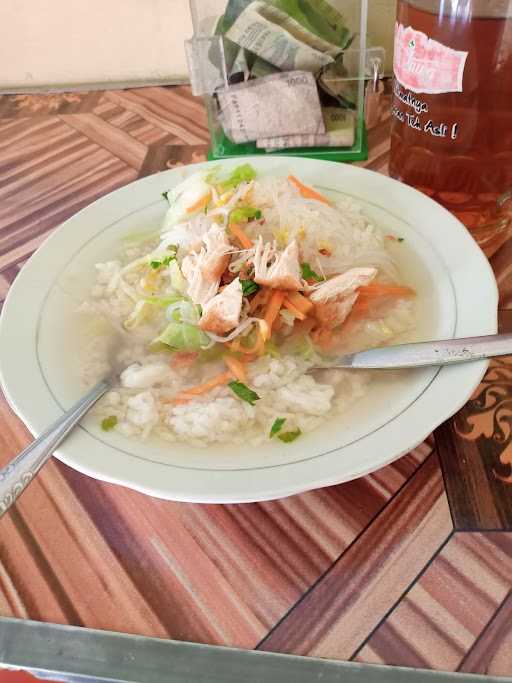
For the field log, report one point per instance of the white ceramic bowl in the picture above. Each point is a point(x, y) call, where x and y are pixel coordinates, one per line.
point(38, 360)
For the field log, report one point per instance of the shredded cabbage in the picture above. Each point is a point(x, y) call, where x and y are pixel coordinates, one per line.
point(271, 349)
point(183, 312)
point(210, 353)
point(183, 196)
point(179, 336)
point(163, 301)
point(300, 345)
point(178, 282)
point(287, 316)
point(140, 313)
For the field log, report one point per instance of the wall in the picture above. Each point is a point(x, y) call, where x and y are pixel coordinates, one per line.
point(65, 44)
point(381, 26)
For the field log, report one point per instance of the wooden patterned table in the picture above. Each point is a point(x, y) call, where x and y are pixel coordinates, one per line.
point(409, 566)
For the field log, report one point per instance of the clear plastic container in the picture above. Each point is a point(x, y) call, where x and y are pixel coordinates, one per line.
point(326, 38)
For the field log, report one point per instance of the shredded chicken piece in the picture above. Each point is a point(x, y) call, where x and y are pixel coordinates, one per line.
point(217, 252)
point(222, 313)
point(335, 298)
point(342, 285)
point(203, 269)
point(279, 270)
point(334, 313)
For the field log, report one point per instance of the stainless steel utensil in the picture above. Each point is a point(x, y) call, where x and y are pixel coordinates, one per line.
point(425, 354)
point(15, 477)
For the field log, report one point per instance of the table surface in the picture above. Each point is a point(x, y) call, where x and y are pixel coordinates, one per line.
point(409, 566)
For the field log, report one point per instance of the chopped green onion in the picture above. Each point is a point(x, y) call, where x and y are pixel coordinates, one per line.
point(240, 174)
point(277, 426)
point(165, 262)
point(401, 239)
point(244, 214)
point(249, 287)
point(288, 437)
point(309, 274)
point(108, 423)
point(243, 392)
point(165, 195)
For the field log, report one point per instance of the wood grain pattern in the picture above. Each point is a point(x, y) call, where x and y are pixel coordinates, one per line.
point(170, 110)
point(49, 171)
point(333, 619)
point(369, 570)
point(491, 654)
point(185, 563)
point(476, 451)
point(442, 616)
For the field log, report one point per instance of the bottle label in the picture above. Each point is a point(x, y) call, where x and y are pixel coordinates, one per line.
point(425, 66)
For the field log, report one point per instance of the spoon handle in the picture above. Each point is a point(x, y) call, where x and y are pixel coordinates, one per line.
point(15, 477)
point(436, 353)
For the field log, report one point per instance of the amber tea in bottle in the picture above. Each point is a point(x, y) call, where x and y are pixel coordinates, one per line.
point(452, 108)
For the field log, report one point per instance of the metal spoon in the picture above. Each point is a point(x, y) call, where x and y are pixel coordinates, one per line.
point(424, 354)
point(15, 477)
point(19, 473)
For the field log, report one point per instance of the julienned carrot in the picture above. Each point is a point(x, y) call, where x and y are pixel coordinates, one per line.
point(278, 323)
point(308, 192)
point(359, 310)
point(181, 401)
point(274, 306)
point(184, 359)
point(293, 309)
point(244, 240)
point(300, 302)
point(236, 367)
point(216, 381)
point(259, 299)
point(201, 203)
point(376, 289)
